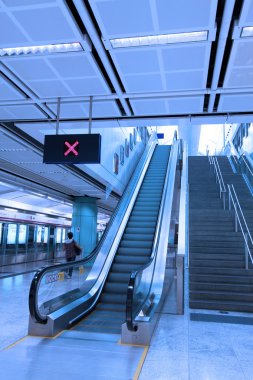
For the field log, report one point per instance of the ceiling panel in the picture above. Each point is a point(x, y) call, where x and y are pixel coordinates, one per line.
point(131, 17)
point(186, 104)
point(174, 57)
point(190, 80)
point(163, 68)
point(236, 102)
point(25, 3)
point(8, 91)
point(246, 16)
point(149, 106)
point(12, 33)
point(185, 15)
point(21, 112)
point(33, 22)
point(79, 110)
point(240, 67)
point(70, 110)
point(177, 105)
point(120, 18)
point(76, 65)
point(143, 83)
point(31, 68)
point(54, 76)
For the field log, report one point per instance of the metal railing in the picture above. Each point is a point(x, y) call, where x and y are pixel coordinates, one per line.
point(219, 178)
point(183, 231)
point(247, 165)
point(240, 219)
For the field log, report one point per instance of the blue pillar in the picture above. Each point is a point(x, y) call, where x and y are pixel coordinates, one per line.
point(84, 223)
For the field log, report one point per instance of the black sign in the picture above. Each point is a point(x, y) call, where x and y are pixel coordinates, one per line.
point(72, 149)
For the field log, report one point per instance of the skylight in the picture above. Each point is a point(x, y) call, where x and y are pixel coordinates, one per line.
point(41, 49)
point(161, 39)
point(247, 31)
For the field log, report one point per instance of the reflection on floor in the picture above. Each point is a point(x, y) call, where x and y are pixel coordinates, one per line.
point(181, 348)
point(23, 268)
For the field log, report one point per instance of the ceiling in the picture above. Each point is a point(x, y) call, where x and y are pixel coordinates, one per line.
point(207, 81)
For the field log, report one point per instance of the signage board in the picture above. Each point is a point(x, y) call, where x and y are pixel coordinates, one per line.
point(72, 149)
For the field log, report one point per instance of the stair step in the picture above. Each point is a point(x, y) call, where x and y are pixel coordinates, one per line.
point(221, 271)
point(220, 278)
point(218, 263)
point(221, 296)
point(218, 256)
point(221, 287)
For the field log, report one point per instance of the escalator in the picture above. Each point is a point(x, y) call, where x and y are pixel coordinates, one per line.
point(131, 249)
point(135, 247)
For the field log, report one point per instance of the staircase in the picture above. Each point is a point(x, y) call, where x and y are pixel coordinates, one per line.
point(134, 249)
point(217, 278)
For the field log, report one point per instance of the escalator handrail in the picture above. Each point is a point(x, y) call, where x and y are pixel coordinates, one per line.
point(132, 280)
point(33, 293)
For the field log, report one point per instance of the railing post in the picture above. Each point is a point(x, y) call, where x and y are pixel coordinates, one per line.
point(180, 283)
point(229, 199)
point(246, 251)
point(236, 222)
point(224, 200)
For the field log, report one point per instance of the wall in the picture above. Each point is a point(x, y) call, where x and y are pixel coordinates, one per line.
point(112, 139)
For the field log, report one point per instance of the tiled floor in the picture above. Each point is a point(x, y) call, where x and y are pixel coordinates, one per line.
point(181, 349)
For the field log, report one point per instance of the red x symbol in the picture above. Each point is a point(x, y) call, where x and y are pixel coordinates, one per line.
point(71, 148)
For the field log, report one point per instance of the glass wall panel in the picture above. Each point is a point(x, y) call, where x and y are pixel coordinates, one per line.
point(31, 248)
point(42, 246)
point(22, 243)
point(11, 243)
point(1, 244)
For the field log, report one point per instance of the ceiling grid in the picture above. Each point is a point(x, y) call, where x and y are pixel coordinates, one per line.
point(130, 86)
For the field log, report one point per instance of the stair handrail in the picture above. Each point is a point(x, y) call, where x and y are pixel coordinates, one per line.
point(247, 165)
point(234, 201)
point(182, 256)
point(210, 159)
point(233, 162)
point(219, 179)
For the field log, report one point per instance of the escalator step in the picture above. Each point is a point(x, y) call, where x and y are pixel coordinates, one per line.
point(124, 268)
point(141, 224)
point(139, 237)
point(111, 307)
point(115, 288)
point(140, 230)
point(118, 299)
point(118, 277)
point(141, 260)
point(137, 244)
point(134, 251)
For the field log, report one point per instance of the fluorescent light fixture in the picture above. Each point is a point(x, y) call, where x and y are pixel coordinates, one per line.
point(247, 31)
point(161, 39)
point(53, 199)
point(10, 209)
point(40, 49)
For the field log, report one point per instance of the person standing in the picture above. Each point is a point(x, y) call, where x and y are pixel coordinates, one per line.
point(70, 253)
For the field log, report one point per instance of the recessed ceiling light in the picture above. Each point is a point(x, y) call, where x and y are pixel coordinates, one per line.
point(41, 49)
point(161, 39)
point(247, 31)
